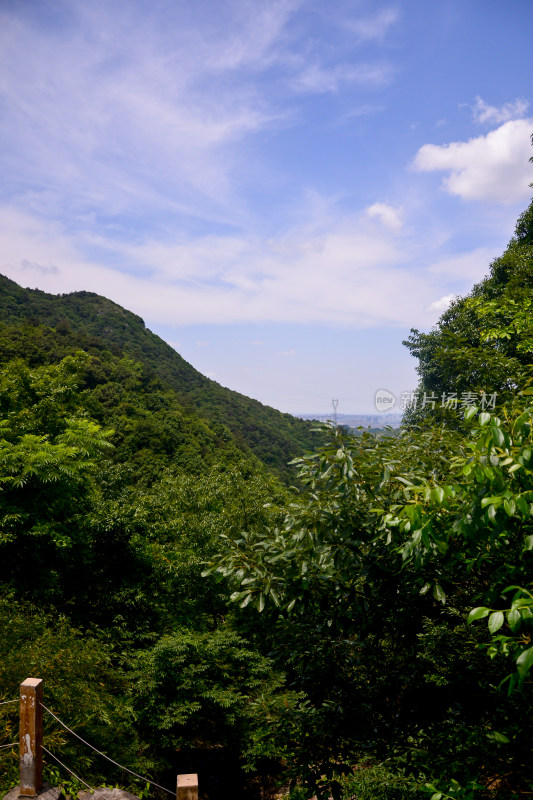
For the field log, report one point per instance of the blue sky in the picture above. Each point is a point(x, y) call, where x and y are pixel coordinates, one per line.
point(280, 188)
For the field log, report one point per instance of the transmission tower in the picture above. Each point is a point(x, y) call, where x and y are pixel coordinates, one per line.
point(335, 403)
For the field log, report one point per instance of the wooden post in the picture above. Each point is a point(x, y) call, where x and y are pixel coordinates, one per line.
point(31, 737)
point(187, 787)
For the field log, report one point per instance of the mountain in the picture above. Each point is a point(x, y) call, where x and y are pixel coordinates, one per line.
point(88, 321)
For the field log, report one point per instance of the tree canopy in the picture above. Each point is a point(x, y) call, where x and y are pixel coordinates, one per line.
point(365, 633)
point(483, 343)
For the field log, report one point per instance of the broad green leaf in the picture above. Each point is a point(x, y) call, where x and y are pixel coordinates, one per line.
point(513, 619)
point(518, 602)
point(510, 507)
point(491, 513)
point(470, 412)
point(274, 596)
point(438, 493)
point(522, 420)
point(478, 613)
point(496, 621)
point(498, 436)
point(528, 542)
point(484, 417)
point(439, 593)
point(498, 737)
point(523, 505)
point(495, 500)
point(404, 480)
point(524, 662)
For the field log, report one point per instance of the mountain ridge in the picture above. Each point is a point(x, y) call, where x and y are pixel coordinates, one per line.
point(273, 436)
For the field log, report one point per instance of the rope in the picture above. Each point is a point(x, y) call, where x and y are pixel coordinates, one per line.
point(97, 794)
point(141, 777)
point(13, 744)
point(7, 702)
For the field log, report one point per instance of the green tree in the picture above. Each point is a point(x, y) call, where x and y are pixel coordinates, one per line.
point(368, 585)
point(483, 342)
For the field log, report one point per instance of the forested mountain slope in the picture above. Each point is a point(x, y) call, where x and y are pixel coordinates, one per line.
point(87, 320)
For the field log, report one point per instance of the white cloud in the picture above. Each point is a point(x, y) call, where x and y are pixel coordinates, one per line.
point(482, 112)
point(322, 271)
point(136, 118)
point(139, 139)
point(470, 267)
point(491, 168)
point(151, 118)
point(388, 215)
point(442, 303)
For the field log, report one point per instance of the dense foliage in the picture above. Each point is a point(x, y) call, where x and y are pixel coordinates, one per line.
point(87, 321)
point(104, 532)
point(375, 583)
point(367, 635)
point(368, 585)
point(480, 350)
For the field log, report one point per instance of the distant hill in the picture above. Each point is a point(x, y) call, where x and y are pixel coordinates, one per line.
point(87, 320)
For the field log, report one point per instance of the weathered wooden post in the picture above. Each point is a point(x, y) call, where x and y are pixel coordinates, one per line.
point(187, 787)
point(31, 737)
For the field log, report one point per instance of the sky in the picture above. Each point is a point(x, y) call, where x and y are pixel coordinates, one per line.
point(281, 189)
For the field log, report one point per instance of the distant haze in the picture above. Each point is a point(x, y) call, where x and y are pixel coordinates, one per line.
point(358, 420)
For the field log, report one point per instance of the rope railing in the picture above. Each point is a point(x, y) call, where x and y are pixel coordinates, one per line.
point(94, 791)
point(92, 747)
point(32, 749)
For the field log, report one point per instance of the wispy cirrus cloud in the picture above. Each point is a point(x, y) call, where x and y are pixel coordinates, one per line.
point(129, 165)
point(151, 119)
point(116, 119)
point(375, 26)
point(355, 271)
point(483, 112)
point(318, 78)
